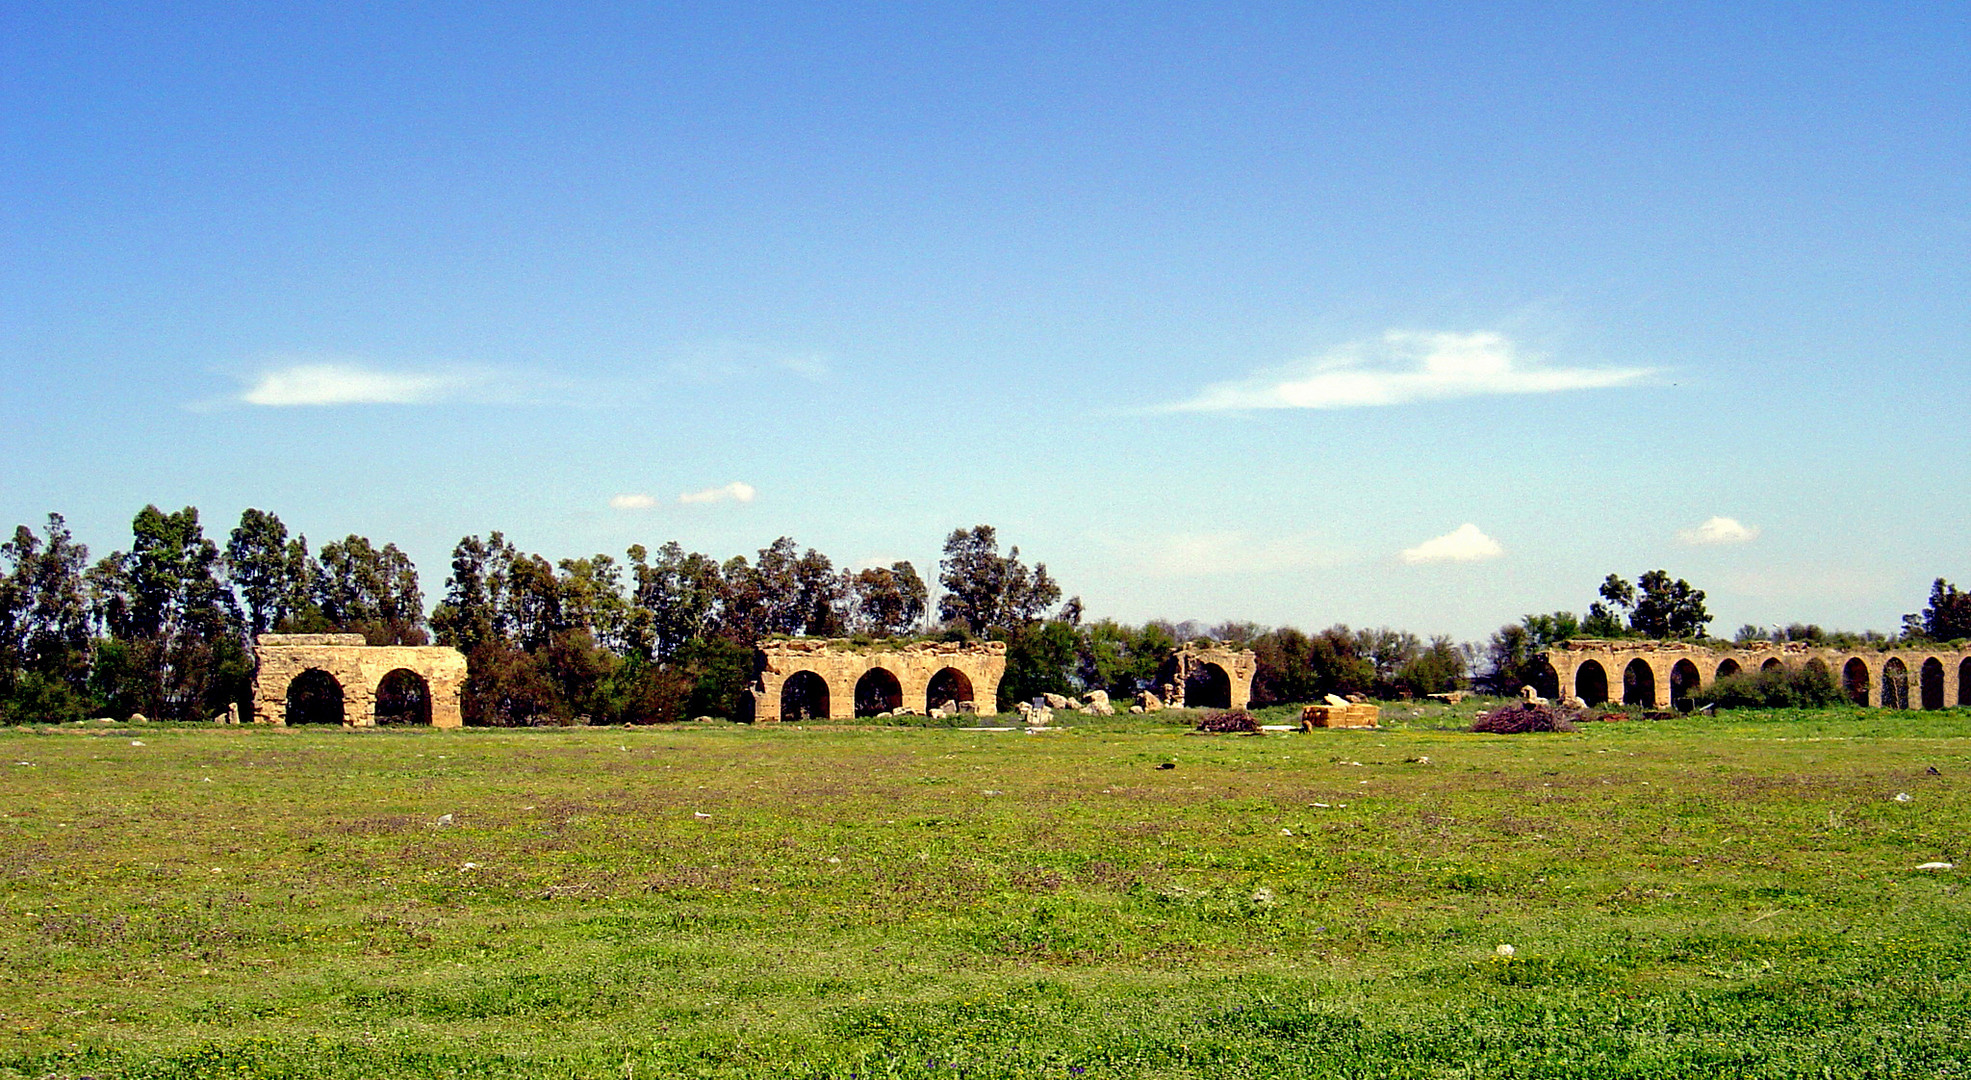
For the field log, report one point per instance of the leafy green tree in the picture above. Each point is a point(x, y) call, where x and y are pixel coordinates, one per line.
point(1433, 669)
point(680, 594)
point(1512, 656)
point(475, 595)
point(44, 625)
point(1948, 616)
point(985, 590)
point(1657, 607)
point(1122, 660)
point(181, 655)
point(361, 588)
point(888, 601)
point(1041, 658)
point(271, 572)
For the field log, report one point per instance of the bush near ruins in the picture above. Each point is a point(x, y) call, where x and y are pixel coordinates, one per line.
point(1808, 687)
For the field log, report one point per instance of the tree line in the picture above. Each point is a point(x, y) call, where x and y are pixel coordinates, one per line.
point(165, 628)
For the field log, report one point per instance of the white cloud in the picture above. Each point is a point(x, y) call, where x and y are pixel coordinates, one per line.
point(352, 384)
point(1402, 367)
point(1462, 544)
point(632, 502)
point(1719, 530)
point(735, 491)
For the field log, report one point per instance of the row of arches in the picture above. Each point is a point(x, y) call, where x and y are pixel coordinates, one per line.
point(403, 698)
point(1894, 687)
point(806, 694)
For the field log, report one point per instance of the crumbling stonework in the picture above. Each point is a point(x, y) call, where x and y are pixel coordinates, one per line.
point(1658, 674)
point(1211, 668)
point(907, 675)
point(358, 669)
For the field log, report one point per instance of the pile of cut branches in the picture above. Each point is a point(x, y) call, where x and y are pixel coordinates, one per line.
point(1230, 722)
point(1522, 718)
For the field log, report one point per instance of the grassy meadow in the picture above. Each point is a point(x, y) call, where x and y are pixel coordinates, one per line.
point(1729, 897)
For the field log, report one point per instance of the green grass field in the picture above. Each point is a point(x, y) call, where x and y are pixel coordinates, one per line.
point(1731, 897)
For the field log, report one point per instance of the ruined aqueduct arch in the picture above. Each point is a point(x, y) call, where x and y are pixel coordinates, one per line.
point(1208, 675)
point(355, 671)
point(1659, 673)
point(822, 677)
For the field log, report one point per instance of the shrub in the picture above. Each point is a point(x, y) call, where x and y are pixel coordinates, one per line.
point(1230, 722)
point(1808, 687)
point(1520, 719)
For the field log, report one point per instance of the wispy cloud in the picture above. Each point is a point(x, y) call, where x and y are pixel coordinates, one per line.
point(1402, 367)
point(1719, 530)
point(632, 502)
point(726, 359)
point(735, 492)
point(341, 383)
point(1462, 544)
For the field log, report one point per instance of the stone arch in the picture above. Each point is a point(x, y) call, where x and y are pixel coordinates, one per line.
point(1684, 680)
point(1727, 669)
point(1591, 682)
point(1854, 680)
point(315, 697)
point(1930, 684)
point(1773, 663)
point(1964, 681)
point(804, 696)
point(403, 697)
point(1639, 683)
point(1895, 684)
point(949, 687)
point(878, 691)
point(1208, 686)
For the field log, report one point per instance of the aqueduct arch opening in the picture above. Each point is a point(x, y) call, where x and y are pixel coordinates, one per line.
point(1684, 681)
point(1895, 684)
point(1931, 683)
point(1728, 668)
point(1772, 664)
point(373, 683)
point(1638, 683)
point(804, 697)
point(1854, 680)
point(877, 691)
point(949, 688)
point(1591, 682)
point(1206, 675)
point(403, 697)
point(314, 697)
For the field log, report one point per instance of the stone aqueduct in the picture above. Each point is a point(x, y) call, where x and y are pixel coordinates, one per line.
point(1660, 674)
point(803, 678)
point(336, 678)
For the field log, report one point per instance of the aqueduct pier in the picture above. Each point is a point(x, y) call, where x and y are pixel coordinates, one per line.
point(1663, 674)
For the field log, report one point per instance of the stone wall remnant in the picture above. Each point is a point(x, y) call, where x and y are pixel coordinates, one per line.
point(1207, 675)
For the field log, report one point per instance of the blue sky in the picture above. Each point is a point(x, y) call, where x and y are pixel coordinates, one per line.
point(1219, 310)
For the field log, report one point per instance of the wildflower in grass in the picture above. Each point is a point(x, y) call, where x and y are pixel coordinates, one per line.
point(1506, 951)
